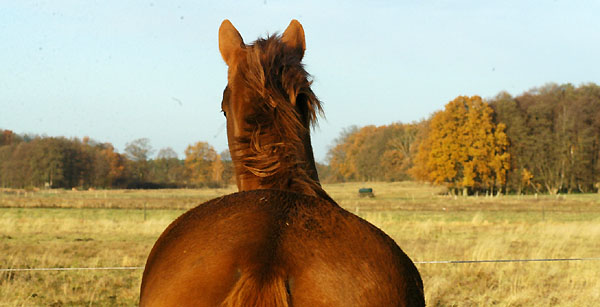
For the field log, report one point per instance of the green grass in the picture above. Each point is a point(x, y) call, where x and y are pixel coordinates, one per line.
point(108, 228)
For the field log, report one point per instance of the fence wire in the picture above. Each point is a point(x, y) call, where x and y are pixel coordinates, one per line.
point(72, 269)
point(504, 260)
point(415, 262)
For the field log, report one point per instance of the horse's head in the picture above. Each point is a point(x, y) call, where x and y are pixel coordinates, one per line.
point(268, 104)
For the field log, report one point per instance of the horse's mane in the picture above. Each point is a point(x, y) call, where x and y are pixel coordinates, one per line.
point(283, 109)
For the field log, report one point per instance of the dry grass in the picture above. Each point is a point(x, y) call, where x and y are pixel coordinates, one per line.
point(502, 284)
point(111, 199)
point(84, 229)
point(42, 238)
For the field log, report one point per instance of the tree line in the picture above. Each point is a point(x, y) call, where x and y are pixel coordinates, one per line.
point(57, 162)
point(544, 140)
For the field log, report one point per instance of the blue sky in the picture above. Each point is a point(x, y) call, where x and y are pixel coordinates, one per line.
point(120, 70)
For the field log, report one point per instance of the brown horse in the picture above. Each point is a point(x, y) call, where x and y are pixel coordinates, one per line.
point(280, 241)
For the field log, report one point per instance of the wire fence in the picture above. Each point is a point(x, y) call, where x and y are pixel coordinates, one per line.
point(72, 269)
point(415, 262)
point(505, 260)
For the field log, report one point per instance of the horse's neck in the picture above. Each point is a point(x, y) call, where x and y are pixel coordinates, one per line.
point(311, 166)
point(300, 176)
point(312, 185)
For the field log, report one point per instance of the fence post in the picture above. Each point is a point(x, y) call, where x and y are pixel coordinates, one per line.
point(543, 212)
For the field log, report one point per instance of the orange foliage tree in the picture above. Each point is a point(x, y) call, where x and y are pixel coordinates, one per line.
point(109, 166)
point(463, 148)
point(341, 156)
point(199, 163)
point(217, 169)
point(373, 153)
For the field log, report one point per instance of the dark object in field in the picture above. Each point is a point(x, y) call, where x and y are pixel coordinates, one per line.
point(280, 241)
point(364, 192)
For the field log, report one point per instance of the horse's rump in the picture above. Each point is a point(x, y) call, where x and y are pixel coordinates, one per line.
point(274, 248)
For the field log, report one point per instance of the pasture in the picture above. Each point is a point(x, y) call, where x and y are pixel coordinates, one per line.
point(57, 228)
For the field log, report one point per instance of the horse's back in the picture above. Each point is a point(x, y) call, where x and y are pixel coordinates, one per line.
point(276, 248)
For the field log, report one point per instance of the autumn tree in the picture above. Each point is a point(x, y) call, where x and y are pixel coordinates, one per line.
point(419, 151)
point(108, 167)
point(464, 148)
point(199, 159)
point(217, 169)
point(8, 137)
point(340, 156)
point(396, 159)
point(372, 153)
point(228, 175)
point(367, 146)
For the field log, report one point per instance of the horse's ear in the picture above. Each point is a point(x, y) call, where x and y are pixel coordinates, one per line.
point(230, 41)
point(294, 37)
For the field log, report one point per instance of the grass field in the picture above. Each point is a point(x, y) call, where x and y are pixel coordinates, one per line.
point(112, 228)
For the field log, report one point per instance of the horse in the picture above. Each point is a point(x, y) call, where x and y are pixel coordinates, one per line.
point(281, 240)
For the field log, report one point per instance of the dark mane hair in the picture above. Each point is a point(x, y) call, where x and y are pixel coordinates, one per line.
point(283, 109)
